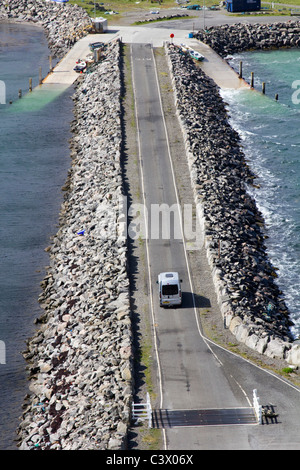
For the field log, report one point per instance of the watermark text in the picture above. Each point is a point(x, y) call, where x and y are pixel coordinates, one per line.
point(2, 353)
point(116, 220)
point(2, 92)
point(296, 94)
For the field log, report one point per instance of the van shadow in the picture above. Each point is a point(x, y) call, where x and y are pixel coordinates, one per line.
point(190, 300)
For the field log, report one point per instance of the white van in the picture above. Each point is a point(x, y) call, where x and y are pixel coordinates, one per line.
point(169, 289)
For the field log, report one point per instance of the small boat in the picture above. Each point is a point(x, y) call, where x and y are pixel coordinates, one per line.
point(196, 55)
point(80, 66)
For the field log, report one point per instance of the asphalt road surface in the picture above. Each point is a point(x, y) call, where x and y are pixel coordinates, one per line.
point(205, 392)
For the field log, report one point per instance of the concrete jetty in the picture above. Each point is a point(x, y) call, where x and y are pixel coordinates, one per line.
point(217, 68)
point(213, 65)
point(63, 73)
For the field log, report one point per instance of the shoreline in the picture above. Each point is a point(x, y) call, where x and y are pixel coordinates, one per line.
point(63, 24)
point(227, 40)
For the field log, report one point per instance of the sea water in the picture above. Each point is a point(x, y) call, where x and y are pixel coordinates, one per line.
point(270, 133)
point(34, 161)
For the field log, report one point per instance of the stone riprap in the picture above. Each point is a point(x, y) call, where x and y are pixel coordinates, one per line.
point(80, 359)
point(64, 24)
point(162, 18)
point(230, 39)
point(251, 303)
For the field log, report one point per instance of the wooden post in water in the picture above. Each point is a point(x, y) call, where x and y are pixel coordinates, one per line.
point(252, 79)
point(241, 70)
point(50, 63)
point(30, 84)
point(263, 88)
point(276, 97)
point(40, 76)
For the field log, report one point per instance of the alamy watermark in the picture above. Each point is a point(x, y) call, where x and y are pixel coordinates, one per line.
point(2, 92)
point(2, 353)
point(296, 94)
point(118, 220)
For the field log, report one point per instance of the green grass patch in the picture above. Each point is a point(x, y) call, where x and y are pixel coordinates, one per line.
point(89, 7)
point(287, 370)
point(282, 2)
point(145, 359)
point(121, 6)
point(152, 439)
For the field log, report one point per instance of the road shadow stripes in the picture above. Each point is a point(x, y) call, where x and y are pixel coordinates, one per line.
point(209, 417)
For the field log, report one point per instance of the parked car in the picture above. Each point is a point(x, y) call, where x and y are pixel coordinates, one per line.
point(193, 7)
point(95, 45)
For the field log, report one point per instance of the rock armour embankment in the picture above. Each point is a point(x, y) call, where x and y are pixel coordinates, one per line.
point(63, 24)
point(80, 360)
point(234, 229)
point(230, 39)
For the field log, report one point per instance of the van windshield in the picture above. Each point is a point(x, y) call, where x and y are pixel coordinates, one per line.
point(171, 289)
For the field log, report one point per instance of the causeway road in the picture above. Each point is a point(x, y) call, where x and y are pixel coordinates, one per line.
point(206, 392)
point(197, 379)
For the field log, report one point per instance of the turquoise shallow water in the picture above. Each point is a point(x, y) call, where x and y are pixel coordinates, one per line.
point(271, 138)
point(34, 160)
